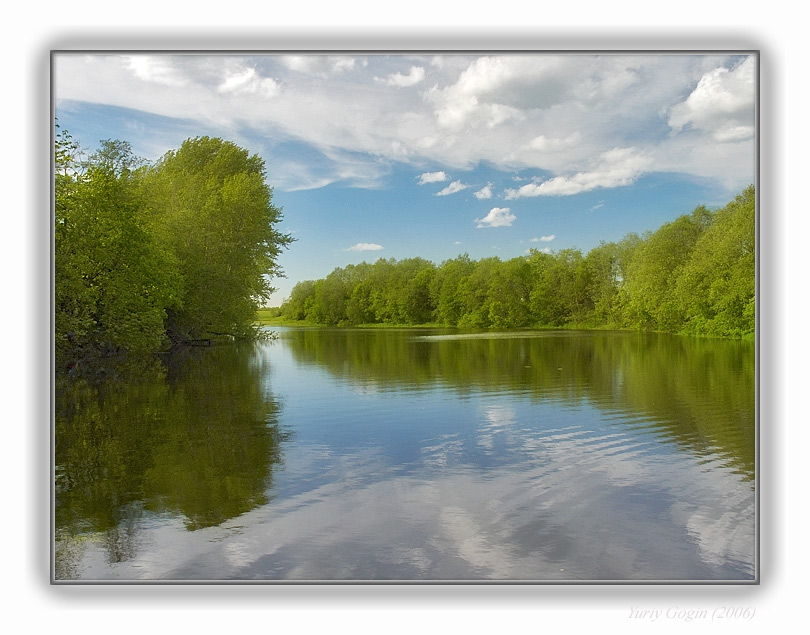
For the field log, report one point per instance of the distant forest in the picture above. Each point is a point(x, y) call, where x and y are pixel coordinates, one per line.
point(695, 275)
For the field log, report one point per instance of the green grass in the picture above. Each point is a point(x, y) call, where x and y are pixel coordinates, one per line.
point(270, 317)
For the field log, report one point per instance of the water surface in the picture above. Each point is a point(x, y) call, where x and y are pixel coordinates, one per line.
point(333, 454)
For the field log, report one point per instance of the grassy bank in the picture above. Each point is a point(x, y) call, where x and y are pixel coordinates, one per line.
point(270, 317)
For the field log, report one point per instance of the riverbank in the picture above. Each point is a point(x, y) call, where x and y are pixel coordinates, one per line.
point(269, 317)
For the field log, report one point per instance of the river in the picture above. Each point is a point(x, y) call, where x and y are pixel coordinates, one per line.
point(413, 455)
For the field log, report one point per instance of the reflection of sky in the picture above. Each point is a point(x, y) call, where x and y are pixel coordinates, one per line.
point(387, 485)
point(550, 519)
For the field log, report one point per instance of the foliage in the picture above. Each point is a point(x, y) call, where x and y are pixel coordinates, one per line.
point(112, 284)
point(717, 286)
point(695, 275)
point(210, 207)
point(144, 253)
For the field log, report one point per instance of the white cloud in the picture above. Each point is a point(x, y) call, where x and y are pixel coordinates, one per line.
point(722, 104)
point(546, 144)
point(692, 114)
point(615, 168)
point(415, 75)
point(156, 70)
point(485, 192)
point(496, 88)
point(544, 239)
point(455, 186)
point(364, 247)
point(432, 177)
point(319, 65)
point(497, 217)
point(246, 82)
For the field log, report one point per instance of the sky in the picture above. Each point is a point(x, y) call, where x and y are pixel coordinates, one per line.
point(435, 155)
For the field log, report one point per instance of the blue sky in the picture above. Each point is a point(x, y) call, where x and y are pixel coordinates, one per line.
point(395, 156)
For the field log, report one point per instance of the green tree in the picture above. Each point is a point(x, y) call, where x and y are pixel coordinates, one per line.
point(444, 289)
point(717, 286)
point(330, 297)
point(559, 291)
point(604, 275)
point(211, 208)
point(113, 284)
point(299, 304)
point(418, 308)
point(509, 294)
point(655, 268)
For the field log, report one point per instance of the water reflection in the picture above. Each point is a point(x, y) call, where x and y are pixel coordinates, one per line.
point(696, 392)
point(407, 456)
point(195, 436)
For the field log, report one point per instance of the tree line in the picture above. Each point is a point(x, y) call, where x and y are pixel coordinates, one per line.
point(695, 275)
point(147, 255)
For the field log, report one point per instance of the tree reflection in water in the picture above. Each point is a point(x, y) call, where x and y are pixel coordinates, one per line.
point(196, 435)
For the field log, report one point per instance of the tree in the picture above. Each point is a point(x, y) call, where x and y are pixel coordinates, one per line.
point(112, 284)
point(211, 208)
point(604, 277)
point(444, 289)
point(655, 268)
point(558, 293)
point(299, 304)
point(717, 286)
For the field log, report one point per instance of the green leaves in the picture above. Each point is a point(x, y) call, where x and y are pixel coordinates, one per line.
point(211, 207)
point(182, 248)
point(695, 274)
point(717, 285)
point(112, 285)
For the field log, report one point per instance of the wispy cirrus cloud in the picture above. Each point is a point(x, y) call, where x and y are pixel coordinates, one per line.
point(364, 247)
point(497, 217)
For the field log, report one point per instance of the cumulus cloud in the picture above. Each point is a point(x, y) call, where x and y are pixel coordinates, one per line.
point(415, 75)
point(455, 186)
point(615, 168)
point(544, 239)
point(364, 247)
point(432, 177)
point(722, 104)
point(692, 114)
point(485, 192)
point(493, 89)
point(497, 217)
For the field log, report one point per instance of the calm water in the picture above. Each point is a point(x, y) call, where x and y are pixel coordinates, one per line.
point(413, 455)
